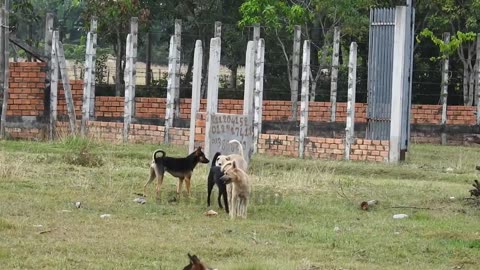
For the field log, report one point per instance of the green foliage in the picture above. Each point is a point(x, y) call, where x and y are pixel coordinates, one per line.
point(81, 154)
point(273, 14)
point(101, 66)
point(447, 49)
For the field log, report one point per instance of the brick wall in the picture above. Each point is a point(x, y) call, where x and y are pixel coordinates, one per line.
point(27, 87)
point(275, 110)
point(432, 114)
point(109, 106)
point(77, 95)
point(113, 132)
point(27, 84)
point(323, 148)
point(26, 133)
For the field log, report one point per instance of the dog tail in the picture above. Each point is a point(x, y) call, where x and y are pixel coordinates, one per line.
point(214, 160)
point(240, 147)
point(154, 156)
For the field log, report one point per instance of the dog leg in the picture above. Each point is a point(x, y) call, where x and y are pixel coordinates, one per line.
point(188, 185)
point(233, 212)
point(150, 179)
point(223, 192)
point(211, 183)
point(159, 172)
point(229, 193)
point(159, 184)
point(244, 207)
point(179, 186)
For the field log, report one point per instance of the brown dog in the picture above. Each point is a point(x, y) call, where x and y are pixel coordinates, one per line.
point(182, 168)
point(240, 188)
point(196, 264)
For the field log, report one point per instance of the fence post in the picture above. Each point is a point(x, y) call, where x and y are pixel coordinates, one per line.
point(130, 77)
point(4, 69)
point(249, 78)
point(398, 75)
point(304, 98)
point(127, 113)
point(48, 33)
point(297, 36)
point(148, 56)
point(171, 81)
point(352, 86)
point(93, 52)
point(48, 45)
point(258, 106)
point(444, 91)
point(196, 85)
point(178, 42)
point(133, 60)
point(218, 29)
point(62, 63)
point(256, 32)
point(53, 86)
point(86, 86)
point(334, 78)
point(212, 93)
point(478, 78)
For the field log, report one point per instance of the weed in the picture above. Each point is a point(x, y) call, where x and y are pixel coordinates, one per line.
point(81, 152)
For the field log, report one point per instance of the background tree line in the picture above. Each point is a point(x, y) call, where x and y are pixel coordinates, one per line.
point(277, 18)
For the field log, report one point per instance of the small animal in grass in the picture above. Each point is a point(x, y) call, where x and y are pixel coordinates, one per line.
point(240, 189)
point(214, 176)
point(182, 168)
point(196, 264)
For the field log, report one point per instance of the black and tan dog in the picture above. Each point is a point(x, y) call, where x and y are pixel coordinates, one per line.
point(182, 168)
point(214, 179)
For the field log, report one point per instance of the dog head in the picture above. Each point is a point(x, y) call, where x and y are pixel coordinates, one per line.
point(221, 159)
point(200, 155)
point(195, 264)
point(231, 172)
point(215, 158)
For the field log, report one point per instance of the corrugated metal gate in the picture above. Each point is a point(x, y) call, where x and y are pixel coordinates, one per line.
point(380, 68)
point(380, 72)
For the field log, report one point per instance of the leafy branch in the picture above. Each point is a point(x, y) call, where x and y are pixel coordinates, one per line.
point(446, 49)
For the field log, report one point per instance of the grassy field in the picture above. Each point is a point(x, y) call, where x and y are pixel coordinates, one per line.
point(304, 213)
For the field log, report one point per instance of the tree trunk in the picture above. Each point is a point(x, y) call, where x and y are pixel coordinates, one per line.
point(471, 87)
point(148, 76)
point(189, 74)
point(118, 66)
point(316, 36)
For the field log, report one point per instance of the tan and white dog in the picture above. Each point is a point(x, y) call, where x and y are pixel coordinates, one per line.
point(238, 158)
point(240, 183)
point(227, 160)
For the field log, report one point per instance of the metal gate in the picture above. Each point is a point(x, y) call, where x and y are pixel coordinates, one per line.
point(380, 69)
point(380, 73)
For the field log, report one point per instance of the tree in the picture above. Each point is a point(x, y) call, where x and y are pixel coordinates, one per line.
point(279, 19)
point(114, 25)
point(460, 17)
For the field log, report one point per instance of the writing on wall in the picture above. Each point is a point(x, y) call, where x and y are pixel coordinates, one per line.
point(222, 128)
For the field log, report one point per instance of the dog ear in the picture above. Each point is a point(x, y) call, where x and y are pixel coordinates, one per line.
point(234, 165)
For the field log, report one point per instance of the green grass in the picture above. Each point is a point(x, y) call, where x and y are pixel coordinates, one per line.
point(296, 204)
